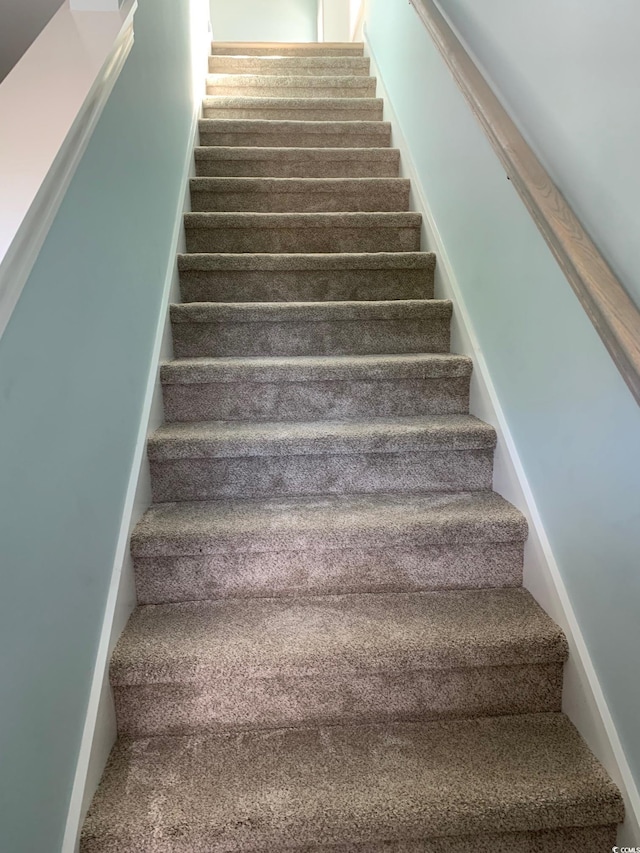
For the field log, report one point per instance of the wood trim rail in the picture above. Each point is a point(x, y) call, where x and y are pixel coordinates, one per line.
point(613, 313)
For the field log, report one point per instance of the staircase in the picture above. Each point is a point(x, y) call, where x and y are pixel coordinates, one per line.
point(333, 651)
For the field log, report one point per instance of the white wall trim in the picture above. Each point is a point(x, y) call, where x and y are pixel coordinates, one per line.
point(583, 699)
point(99, 731)
point(333, 20)
point(81, 56)
point(320, 21)
point(357, 23)
point(95, 5)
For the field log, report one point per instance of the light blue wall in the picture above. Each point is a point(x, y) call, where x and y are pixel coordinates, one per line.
point(74, 364)
point(264, 20)
point(575, 424)
point(568, 70)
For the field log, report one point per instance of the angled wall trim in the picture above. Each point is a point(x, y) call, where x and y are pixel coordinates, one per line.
point(95, 5)
point(83, 55)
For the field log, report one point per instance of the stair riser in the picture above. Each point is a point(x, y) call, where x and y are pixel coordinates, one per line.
point(319, 66)
point(227, 703)
point(285, 49)
point(314, 136)
point(280, 87)
point(313, 400)
point(351, 337)
point(351, 110)
point(400, 567)
point(366, 165)
point(304, 285)
point(270, 476)
point(291, 239)
point(388, 197)
point(591, 839)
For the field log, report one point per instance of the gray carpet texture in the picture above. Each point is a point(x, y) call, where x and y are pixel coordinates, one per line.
point(294, 66)
point(251, 162)
point(264, 277)
point(307, 195)
point(294, 134)
point(291, 86)
point(332, 651)
point(302, 232)
point(455, 784)
point(297, 108)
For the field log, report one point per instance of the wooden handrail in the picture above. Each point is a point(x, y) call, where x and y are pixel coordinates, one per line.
point(613, 313)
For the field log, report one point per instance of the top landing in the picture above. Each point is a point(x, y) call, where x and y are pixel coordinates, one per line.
point(256, 48)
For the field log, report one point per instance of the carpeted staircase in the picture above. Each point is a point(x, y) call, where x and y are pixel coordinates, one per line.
point(333, 651)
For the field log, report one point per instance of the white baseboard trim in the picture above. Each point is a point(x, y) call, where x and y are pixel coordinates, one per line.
point(99, 733)
point(583, 699)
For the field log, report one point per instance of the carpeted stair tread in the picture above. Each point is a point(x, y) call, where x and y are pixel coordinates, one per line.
point(281, 185)
point(312, 277)
point(268, 262)
point(210, 460)
point(405, 566)
point(296, 108)
point(247, 161)
point(258, 663)
point(299, 194)
point(316, 368)
point(316, 81)
point(303, 220)
point(316, 66)
point(327, 48)
point(291, 133)
point(309, 312)
point(213, 460)
point(400, 567)
point(326, 523)
point(272, 637)
point(305, 86)
point(319, 387)
point(310, 328)
point(426, 786)
point(302, 232)
point(221, 439)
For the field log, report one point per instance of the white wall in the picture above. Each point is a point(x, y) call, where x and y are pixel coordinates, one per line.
point(335, 16)
point(264, 20)
point(21, 22)
point(568, 71)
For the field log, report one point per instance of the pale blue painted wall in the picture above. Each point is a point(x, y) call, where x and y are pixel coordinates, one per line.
point(264, 20)
point(74, 364)
point(575, 424)
point(568, 70)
